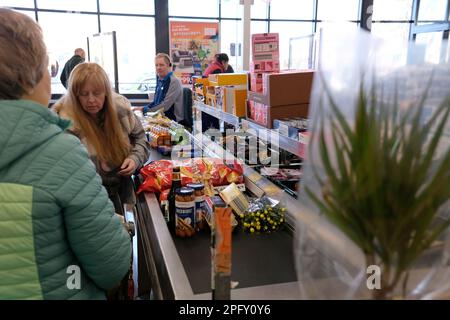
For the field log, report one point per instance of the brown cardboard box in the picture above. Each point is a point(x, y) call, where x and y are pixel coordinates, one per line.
point(264, 114)
point(281, 89)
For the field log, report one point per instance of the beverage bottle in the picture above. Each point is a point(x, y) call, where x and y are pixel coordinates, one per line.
point(176, 184)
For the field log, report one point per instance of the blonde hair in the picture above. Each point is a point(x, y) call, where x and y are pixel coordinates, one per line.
point(106, 135)
point(23, 54)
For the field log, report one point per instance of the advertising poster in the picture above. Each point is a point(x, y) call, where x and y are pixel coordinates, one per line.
point(192, 46)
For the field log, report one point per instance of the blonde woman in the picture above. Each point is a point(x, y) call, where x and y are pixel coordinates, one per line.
point(59, 236)
point(104, 122)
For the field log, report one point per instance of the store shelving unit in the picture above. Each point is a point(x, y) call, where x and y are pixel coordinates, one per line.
point(267, 135)
point(217, 113)
point(272, 136)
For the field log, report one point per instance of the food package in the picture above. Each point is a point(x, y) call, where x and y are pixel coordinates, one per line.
point(264, 215)
point(209, 171)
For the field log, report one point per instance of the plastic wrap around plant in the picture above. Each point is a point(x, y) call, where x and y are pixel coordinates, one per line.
point(376, 184)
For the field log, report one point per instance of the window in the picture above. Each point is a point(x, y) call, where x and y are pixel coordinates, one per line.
point(79, 5)
point(392, 10)
point(259, 9)
point(397, 34)
point(432, 10)
point(286, 31)
point(288, 9)
point(61, 45)
point(231, 42)
point(338, 10)
point(303, 53)
point(194, 8)
point(258, 27)
point(432, 42)
point(391, 31)
point(231, 9)
point(129, 6)
point(28, 13)
point(135, 49)
point(18, 3)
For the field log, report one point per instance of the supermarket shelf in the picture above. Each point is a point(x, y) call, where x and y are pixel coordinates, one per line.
point(272, 136)
point(219, 114)
point(256, 183)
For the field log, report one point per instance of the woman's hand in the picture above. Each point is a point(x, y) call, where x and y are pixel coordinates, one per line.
point(128, 167)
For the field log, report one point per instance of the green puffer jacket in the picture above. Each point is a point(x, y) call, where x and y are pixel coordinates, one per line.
point(59, 235)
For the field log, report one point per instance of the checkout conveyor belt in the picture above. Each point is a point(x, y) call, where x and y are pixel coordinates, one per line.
point(263, 265)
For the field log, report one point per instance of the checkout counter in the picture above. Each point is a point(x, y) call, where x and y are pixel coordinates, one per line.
point(169, 267)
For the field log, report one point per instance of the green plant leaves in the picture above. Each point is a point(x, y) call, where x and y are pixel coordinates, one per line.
point(382, 182)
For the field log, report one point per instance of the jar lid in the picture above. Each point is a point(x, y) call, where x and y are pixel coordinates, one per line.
point(184, 191)
point(196, 186)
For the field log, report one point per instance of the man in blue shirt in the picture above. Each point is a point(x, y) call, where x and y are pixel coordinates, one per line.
point(168, 93)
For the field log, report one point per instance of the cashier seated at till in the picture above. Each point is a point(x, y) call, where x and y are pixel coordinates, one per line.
point(168, 93)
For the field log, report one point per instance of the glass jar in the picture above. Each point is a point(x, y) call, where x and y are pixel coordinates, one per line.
point(185, 212)
point(199, 193)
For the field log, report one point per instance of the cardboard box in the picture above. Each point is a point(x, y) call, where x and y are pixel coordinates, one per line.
point(265, 115)
point(227, 79)
point(234, 100)
point(281, 89)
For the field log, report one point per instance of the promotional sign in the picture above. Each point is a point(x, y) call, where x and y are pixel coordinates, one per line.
point(192, 46)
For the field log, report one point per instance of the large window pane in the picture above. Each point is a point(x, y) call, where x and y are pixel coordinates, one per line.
point(432, 45)
point(61, 45)
point(288, 9)
point(259, 9)
point(18, 3)
point(395, 33)
point(432, 10)
point(79, 5)
point(135, 50)
point(129, 6)
point(391, 31)
point(286, 31)
point(392, 9)
point(231, 9)
point(231, 42)
point(194, 8)
point(338, 10)
point(258, 26)
point(303, 52)
point(28, 13)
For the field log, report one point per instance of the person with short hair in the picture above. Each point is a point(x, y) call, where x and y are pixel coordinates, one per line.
point(168, 92)
point(60, 237)
point(78, 57)
point(112, 133)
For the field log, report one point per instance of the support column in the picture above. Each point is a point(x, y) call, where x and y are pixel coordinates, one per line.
point(246, 34)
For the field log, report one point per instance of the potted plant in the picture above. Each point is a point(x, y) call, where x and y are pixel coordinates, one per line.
point(383, 177)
